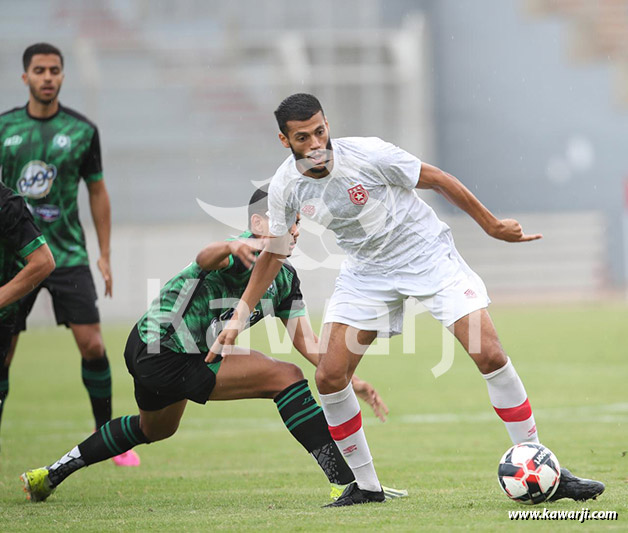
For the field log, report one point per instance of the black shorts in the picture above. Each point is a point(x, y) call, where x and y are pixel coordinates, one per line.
point(73, 297)
point(167, 377)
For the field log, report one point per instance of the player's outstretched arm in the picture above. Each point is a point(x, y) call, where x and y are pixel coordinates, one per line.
point(306, 343)
point(455, 192)
point(101, 214)
point(39, 264)
point(266, 269)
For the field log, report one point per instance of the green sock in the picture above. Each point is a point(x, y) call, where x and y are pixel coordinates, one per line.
point(112, 438)
point(304, 418)
point(97, 380)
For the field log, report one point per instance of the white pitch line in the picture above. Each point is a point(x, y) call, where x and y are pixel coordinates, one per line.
point(606, 414)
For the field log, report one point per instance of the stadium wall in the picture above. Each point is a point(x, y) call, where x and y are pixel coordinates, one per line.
point(568, 264)
point(183, 92)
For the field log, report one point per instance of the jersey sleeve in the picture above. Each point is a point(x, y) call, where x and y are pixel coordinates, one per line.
point(17, 227)
point(292, 305)
point(91, 167)
point(397, 166)
point(235, 266)
point(282, 212)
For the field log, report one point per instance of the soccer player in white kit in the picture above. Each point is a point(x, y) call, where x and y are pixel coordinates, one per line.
point(363, 189)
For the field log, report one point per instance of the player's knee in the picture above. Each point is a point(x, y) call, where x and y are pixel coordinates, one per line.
point(295, 373)
point(156, 432)
point(327, 382)
point(491, 359)
point(93, 348)
point(288, 374)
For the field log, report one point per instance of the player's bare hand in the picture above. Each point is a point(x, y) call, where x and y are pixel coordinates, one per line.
point(245, 250)
point(105, 269)
point(223, 343)
point(367, 393)
point(509, 230)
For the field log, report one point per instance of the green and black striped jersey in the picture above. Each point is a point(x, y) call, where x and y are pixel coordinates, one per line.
point(19, 237)
point(194, 306)
point(43, 160)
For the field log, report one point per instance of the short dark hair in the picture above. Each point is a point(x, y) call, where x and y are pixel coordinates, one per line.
point(39, 48)
point(258, 204)
point(299, 106)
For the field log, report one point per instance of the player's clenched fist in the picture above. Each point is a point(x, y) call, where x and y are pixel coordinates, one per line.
point(510, 230)
point(245, 250)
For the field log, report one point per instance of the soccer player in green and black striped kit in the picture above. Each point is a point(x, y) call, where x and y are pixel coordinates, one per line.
point(45, 151)
point(166, 350)
point(25, 261)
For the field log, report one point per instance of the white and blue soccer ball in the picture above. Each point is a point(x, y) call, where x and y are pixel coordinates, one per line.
point(529, 473)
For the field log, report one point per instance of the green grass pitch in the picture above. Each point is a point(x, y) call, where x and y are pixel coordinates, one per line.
point(233, 467)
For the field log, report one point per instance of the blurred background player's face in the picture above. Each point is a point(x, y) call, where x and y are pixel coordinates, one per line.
point(44, 77)
point(260, 227)
point(311, 145)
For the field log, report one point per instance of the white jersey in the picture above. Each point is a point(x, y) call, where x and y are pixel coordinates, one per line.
point(368, 200)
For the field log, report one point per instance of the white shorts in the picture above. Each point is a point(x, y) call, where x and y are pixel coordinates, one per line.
point(449, 289)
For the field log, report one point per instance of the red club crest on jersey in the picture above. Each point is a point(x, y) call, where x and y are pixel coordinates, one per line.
point(308, 210)
point(358, 194)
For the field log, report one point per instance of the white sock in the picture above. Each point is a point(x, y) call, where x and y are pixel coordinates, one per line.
point(344, 418)
point(510, 402)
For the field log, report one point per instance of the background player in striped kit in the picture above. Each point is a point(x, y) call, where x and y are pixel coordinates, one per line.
point(45, 151)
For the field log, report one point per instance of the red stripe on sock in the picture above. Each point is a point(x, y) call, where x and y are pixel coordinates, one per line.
point(515, 414)
point(347, 429)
